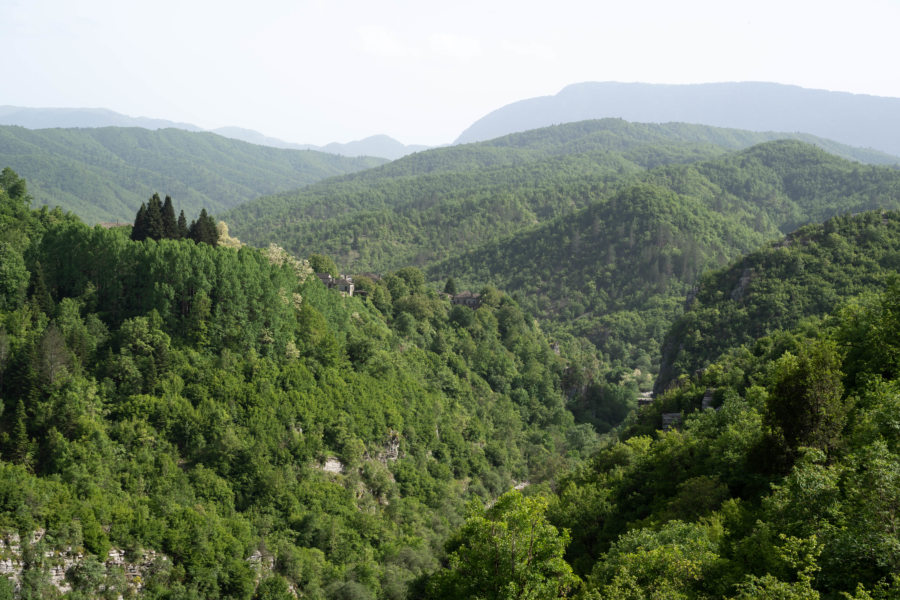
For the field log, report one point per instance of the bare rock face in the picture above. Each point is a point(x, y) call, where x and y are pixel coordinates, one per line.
point(738, 292)
point(333, 465)
point(391, 450)
point(60, 563)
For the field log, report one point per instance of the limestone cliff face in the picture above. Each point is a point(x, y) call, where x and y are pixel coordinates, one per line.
point(60, 567)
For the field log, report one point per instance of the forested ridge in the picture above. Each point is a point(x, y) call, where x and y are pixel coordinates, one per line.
point(804, 275)
point(103, 174)
point(546, 216)
point(442, 202)
point(617, 271)
point(781, 475)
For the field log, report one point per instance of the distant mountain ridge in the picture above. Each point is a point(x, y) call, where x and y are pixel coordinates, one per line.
point(858, 120)
point(46, 118)
point(599, 228)
point(381, 146)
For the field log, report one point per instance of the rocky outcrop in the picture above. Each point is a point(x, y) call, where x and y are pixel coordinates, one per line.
point(59, 563)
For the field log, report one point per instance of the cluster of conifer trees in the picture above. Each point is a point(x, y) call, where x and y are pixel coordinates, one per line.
point(156, 220)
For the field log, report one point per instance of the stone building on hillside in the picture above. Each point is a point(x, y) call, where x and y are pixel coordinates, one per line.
point(467, 298)
point(342, 283)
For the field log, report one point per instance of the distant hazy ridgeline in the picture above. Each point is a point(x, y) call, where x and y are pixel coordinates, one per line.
point(859, 120)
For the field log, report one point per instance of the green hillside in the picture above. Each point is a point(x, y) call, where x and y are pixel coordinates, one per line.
point(210, 404)
point(443, 202)
point(804, 275)
point(779, 474)
point(618, 271)
point(785, 487)
point(615, 272)
point(104, 174)
point(180, 420)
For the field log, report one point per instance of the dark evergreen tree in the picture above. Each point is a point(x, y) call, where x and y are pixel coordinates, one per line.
point(155, 228)
point(170, 225)
point(20, 441)
point(204, 229)
point(139, 230)
point(39, 292)
point(182, 226)
point(212, 233)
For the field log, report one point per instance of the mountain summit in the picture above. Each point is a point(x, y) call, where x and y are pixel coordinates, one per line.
point(858, 120)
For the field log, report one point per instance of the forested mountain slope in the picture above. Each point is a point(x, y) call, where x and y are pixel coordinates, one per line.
point(233, 429)
point(440, 203)
point(618, 271)
point(771, 473)
point(104, 174)
point(804, 275)
point(786, 486)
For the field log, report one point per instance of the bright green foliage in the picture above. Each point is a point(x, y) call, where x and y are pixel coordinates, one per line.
point(183, 398)
point(679, 562)
point(320, 263)
point(785, 491)
point(807, 274)
point(507, 551)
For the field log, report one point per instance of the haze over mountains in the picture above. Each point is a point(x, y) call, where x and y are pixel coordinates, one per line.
point(858, 120)
point(381, 146)
point(45, 118)
point(853, 119)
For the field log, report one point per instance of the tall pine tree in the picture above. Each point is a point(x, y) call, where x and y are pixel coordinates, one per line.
point(155, 229)
point(139, 231)
point(204, 229)
point(182, 230)
point(170, 225)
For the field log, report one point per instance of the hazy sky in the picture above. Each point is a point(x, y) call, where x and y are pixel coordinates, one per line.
point(316, 71)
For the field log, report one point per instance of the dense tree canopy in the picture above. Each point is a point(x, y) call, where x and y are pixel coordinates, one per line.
point(187, 399)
